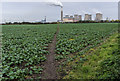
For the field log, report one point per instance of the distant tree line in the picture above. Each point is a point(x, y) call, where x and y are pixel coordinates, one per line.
point(90, 21)
point(20, 23)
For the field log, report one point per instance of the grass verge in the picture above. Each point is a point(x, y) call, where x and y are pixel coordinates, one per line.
point(101, 62)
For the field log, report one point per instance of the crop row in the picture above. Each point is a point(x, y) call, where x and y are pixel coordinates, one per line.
point(74, 38)
point(25, 46)
point(24, 50)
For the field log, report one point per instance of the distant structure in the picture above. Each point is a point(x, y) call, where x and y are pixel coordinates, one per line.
point(80, 17)
point(44, 20)
point(98, 17)
point(88, 17)
point(76, 18)
point(68, 18)
point(61, 14)
point(107, 18)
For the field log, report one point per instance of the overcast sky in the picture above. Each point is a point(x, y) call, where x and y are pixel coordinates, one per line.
point(36, 11)
point(60, 0)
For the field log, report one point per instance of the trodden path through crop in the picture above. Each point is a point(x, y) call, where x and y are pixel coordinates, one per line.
point(50, 65)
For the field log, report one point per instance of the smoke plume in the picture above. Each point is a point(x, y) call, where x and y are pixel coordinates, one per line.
point(55, 3)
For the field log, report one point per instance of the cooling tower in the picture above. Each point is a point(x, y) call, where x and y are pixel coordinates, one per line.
point(86, 17)
point(98, 17)
point(90, 17)
point(80, 17)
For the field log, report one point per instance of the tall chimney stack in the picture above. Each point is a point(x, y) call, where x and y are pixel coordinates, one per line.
point(61, 13)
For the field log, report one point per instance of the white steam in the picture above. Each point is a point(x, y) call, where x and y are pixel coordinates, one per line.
point(54, 3)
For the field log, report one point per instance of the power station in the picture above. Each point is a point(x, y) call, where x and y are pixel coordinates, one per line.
point(76, 17)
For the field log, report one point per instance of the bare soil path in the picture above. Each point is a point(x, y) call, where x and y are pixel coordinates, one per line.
point(50, 64)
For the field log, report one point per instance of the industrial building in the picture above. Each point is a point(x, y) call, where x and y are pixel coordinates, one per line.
point(74, 18)
point(98, 17)
point(88, 17)
point(77, 17)
point(68, 18)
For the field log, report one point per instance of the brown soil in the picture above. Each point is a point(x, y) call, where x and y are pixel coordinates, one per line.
point(50, 64)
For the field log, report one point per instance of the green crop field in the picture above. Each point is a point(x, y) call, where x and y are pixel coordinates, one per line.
point(26, 48)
